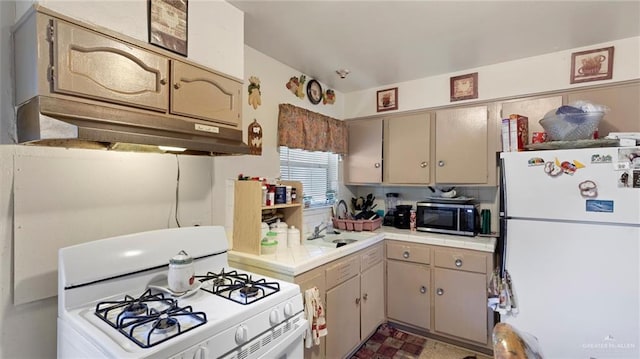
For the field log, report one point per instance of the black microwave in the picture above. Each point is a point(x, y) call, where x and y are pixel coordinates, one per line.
point(450, 218)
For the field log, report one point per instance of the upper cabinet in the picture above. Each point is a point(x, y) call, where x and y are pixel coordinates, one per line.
point(461, 141)
point(453, 146)
point(532, 108)
point(364, 161)
point(407, 149)
point(623, 102)
point(88, 64)
point(202, 94)
point(65, 59)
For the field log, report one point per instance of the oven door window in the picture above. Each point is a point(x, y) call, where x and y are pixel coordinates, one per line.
point(438, 218)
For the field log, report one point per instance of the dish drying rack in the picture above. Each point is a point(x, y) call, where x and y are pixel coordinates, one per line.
point(357, 225)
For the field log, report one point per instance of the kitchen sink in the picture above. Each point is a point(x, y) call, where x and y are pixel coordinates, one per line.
point(339, 240)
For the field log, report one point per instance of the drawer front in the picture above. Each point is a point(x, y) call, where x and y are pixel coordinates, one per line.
point(410, 252)
point(371, 257)
point(342, 270)
point(461, 260)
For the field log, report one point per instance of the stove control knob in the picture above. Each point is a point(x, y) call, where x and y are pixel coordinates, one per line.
point(288, 309)
point(274, 317)
point(242, 334)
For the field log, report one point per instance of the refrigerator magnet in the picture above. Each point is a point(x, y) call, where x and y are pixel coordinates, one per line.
point(595, 205)
point(535, 161)
point(624, 180)
point(568, 167)
point(551, 169)
point(596, 158)
point(588, 189)
point(635, 178)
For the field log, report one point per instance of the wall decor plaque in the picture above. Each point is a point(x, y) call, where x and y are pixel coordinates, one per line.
point(168, 24)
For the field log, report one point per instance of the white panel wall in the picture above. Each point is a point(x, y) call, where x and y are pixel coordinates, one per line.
point(508, 79)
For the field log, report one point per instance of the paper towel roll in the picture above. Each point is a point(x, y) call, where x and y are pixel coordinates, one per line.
point(293, 237)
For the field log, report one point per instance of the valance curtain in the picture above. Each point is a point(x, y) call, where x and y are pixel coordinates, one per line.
point(311, 131)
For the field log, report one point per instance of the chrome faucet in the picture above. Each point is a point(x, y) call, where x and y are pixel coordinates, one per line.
point(316, 232)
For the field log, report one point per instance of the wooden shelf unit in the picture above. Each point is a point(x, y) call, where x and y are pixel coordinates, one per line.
point(247, 214)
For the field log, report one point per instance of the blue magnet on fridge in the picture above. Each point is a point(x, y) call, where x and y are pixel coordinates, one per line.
point(597, 205)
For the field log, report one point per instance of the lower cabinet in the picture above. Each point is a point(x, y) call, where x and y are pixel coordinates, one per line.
point(343, 318)
point(308, 280)
point(440, 290)
point(460, 304)
point(371, 291)
point(409, 293)
point(355, 306)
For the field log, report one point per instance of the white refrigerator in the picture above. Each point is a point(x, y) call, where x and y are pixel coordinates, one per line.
point(571, 243)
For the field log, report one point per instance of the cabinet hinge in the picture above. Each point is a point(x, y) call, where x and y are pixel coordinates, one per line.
point(51, 73)
point(50, 31)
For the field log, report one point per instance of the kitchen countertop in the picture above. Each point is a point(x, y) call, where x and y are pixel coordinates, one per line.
point(295, 261)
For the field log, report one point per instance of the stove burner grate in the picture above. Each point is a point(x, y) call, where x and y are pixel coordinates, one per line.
point(114, 311)
point(247, 292)
point(149, 319)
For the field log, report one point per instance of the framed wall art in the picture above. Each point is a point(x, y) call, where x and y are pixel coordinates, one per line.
point(592, 65)
point(387, 99)
point(168, 24)
point(464, 87)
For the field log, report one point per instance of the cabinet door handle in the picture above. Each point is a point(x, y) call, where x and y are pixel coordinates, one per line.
point(440, 291)
point(176, 85)
point(163, 81)
point(365, 296)
point(458, 262)
point(357, 301)
point(441, 163)
point(424, 164)
point(376, 165)
point(405, 254)
point(423, 289)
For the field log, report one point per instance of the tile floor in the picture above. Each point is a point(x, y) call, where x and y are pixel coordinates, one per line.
point(391, 343)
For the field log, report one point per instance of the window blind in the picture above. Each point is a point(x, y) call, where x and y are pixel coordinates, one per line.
point(317, 170)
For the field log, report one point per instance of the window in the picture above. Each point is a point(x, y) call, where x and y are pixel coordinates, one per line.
point(318, 172)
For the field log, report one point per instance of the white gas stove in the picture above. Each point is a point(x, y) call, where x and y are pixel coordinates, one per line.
point(112, 302)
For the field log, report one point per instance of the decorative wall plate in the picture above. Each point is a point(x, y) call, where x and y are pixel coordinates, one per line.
point(314, 92)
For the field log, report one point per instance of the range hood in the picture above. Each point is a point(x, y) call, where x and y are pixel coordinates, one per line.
point(53, 121)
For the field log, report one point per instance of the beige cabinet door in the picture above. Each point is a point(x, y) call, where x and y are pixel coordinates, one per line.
point(406, 146)
point(205, 95)
point(91, 65)
point(364, 161)
point(313, 278)
point(343, 318)
point(461, 145)
point(408, 293)
point(534, 109)
point(460, 304)
point(624, 107)
point(372, 299)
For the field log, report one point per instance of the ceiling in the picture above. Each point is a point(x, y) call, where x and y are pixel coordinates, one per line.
point(385, 42)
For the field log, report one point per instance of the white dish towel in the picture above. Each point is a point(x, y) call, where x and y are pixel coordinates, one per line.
point(314, 312)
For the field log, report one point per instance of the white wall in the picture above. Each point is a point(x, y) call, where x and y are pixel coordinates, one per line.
point(508, 79)
point(273, 77)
